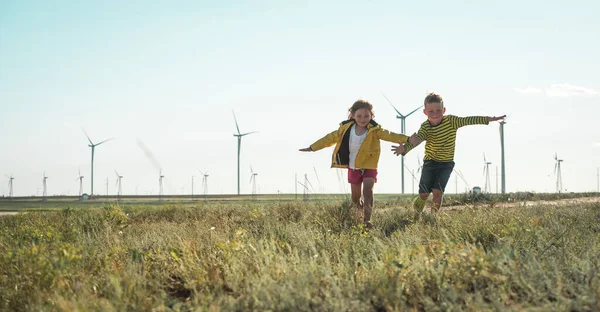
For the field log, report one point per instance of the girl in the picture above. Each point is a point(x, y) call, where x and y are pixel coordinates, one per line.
point(357, 148)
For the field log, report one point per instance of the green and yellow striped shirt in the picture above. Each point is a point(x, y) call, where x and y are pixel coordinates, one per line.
point(441, 139)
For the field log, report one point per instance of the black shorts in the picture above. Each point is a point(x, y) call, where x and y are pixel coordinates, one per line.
point(435, 175)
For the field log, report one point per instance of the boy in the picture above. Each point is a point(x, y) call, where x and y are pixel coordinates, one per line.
point(440, 133)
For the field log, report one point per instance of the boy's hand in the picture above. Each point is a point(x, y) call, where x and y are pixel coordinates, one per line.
point(399, 150)
point(307, 149)
point(496, 118)
point(414, 140)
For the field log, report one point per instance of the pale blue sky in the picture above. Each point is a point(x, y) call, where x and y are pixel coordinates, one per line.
point(170, 73)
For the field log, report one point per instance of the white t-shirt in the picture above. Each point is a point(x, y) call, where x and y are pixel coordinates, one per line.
point(355, 143)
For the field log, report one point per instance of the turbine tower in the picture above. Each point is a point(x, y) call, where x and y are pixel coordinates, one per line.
point(502, 168)
point(402, 131)
point(253, 181)
point(118, 184)
point(239, 136)
point(557, 172)
point(10, 186)
point(45, 186)
point(93, 146)
point(486, 173)
point(192, 188)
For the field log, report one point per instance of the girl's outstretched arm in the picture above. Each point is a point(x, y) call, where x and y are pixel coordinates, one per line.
point(391, 136)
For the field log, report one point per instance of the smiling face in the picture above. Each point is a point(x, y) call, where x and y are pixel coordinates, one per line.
point(362, 117)
point(435, 112)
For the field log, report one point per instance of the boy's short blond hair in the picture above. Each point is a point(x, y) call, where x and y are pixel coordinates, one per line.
point(433, 97)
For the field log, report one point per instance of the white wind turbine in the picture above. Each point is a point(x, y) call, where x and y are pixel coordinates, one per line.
point(486, 173)
point(253, 181)
point(45, 186)
point(118, 184)
point(204, 183)
point(80, 178)
point(558, 173)
point(10, 186)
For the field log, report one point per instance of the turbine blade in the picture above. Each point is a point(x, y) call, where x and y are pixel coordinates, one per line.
point(105, 141)
point(243, 134)
point(236, 123)
point(88, 137)
point(397, 111)
point(149, 155)
point(416, 109)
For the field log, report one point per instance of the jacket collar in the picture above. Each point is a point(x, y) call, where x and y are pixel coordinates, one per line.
point(349, 122)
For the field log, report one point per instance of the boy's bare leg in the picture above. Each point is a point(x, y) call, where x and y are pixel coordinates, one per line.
point(419, 202)
point(368, 184)
point(436, 200)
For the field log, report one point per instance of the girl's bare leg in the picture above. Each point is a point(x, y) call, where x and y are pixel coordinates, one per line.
point(368, 184)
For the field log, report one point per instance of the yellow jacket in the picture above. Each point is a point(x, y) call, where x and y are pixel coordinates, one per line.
point(368, 153)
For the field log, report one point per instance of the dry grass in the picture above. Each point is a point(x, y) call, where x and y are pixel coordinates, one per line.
point(300, 256)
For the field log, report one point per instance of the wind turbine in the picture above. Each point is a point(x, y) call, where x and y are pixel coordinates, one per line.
point(204, 183)
point(253, 181)
point(118, 184)
point(160, 184)
point(45, 186)
point(305, 185)
point(318, 181)
point(93, 146)
point(412, 173)
point(558, 173)
point(402, 131)
point(80, 178)
point(155, 164)
point(10, 186)
point(239, 136)
point(462, 177)
point(486, 173)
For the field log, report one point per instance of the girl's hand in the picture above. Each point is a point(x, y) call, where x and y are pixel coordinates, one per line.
point(496, 118)
point(307, 149)
point(399, 150)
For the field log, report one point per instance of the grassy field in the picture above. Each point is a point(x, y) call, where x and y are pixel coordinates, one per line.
point(298, 256)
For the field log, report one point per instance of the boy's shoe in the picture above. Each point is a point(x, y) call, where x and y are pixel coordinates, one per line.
point(418, 204)
point(368, 225)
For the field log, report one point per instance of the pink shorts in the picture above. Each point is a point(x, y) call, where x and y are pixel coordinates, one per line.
point(356, 176)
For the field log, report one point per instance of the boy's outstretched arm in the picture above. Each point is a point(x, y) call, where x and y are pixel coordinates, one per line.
point(496, 118)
